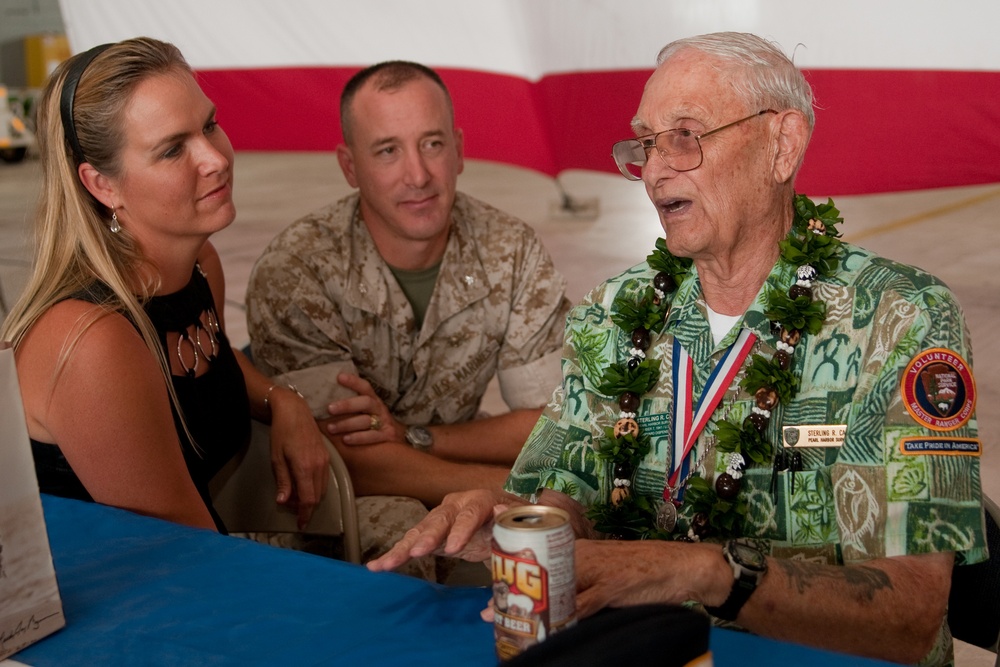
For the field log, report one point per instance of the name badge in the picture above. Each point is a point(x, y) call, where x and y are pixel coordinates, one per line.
point(814, 435)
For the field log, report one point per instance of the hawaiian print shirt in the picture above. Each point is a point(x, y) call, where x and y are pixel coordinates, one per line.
point(898, 483)
point(321, 301)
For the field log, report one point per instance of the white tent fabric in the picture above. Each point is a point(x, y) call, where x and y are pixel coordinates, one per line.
point(531, 38)
point(906, 89)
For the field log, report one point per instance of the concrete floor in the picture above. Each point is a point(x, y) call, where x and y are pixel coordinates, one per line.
point(951, 232)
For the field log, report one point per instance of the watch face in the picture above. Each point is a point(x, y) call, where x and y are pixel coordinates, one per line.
point(747, 555)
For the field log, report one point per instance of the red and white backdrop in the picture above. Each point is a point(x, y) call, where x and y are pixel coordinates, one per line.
point(908, 91)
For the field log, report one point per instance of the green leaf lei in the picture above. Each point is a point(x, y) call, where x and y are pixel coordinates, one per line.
point(812, 242)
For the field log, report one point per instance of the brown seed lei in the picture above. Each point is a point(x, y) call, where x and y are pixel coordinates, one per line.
point(718, 510)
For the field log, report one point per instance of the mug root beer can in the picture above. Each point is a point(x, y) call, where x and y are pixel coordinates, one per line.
point(534, 580)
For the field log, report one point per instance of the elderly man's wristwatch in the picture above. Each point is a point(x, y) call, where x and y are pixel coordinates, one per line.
point(419, 438)
point(749, 566)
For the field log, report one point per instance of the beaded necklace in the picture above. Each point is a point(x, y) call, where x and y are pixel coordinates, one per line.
point(718, 509)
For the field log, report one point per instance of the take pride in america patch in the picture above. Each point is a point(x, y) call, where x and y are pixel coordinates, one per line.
point(940, 445)
point(938, 389)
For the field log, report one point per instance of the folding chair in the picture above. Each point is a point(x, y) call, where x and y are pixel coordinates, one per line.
point(974, 603)
point(243, 494)
point(3, 304)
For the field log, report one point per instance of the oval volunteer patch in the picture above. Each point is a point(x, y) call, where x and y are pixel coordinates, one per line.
point(938, 389)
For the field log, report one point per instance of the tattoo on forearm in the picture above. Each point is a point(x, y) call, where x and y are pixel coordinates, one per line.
point(865, 581)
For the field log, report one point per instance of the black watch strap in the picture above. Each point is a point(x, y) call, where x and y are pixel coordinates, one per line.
point(738, 596)
point(749, 566)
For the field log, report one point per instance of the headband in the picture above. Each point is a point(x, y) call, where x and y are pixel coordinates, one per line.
point(70, 83)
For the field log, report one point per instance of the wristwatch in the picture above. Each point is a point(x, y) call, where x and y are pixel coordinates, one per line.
point(749, 566)
point(419, 438)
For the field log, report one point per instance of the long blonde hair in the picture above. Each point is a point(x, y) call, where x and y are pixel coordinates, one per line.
point(74, 247)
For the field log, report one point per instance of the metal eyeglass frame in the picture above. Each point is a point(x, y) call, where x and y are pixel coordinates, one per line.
point(625, 152)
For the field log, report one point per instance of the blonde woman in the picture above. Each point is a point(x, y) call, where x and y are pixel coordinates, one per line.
point(132, 393)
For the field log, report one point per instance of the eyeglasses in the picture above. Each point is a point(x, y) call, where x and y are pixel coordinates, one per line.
point(679, 148)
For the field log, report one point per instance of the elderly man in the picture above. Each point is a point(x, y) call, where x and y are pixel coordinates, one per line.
point(392, 309)
point(754, 378)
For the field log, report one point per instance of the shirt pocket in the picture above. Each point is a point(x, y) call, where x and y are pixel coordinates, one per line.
point(794, 506)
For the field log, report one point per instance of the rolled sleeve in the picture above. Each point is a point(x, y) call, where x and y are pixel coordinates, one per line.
point(318, 384)
point(531, 385)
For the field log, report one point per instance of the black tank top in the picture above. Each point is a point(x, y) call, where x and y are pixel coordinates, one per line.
point(215, 403)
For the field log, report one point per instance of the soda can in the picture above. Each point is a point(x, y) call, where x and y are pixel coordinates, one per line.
point(534, 580)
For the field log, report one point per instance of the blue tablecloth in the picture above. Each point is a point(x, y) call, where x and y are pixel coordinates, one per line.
point(141, 591)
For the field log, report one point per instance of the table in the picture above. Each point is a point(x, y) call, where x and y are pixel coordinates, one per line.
point(137, 590)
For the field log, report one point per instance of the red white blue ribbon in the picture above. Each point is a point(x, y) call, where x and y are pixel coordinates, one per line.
point(687, 423)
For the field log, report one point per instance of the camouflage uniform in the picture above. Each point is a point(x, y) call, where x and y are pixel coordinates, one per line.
point(321, 301)
point(880, 494)
point(381, 521)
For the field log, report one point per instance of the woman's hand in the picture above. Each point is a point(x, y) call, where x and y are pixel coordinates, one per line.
point(299, 456)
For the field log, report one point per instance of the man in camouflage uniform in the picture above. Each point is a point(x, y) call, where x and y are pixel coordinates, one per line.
point(852, 547)
point(392, 309)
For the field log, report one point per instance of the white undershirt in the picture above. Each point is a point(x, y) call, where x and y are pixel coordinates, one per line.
point(721, 324)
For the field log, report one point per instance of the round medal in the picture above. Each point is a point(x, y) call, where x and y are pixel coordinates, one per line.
point(666, 517)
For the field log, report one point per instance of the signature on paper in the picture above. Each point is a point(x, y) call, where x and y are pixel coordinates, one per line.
point(23, 626)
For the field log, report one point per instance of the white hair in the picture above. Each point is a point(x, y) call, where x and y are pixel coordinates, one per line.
point(763, 76)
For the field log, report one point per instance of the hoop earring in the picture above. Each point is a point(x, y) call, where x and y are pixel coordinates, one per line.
point(115, 227)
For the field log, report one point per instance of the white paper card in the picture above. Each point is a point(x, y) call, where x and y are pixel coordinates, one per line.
point(30, 607)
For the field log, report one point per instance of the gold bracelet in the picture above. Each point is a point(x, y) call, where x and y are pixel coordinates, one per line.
point(267, 394)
